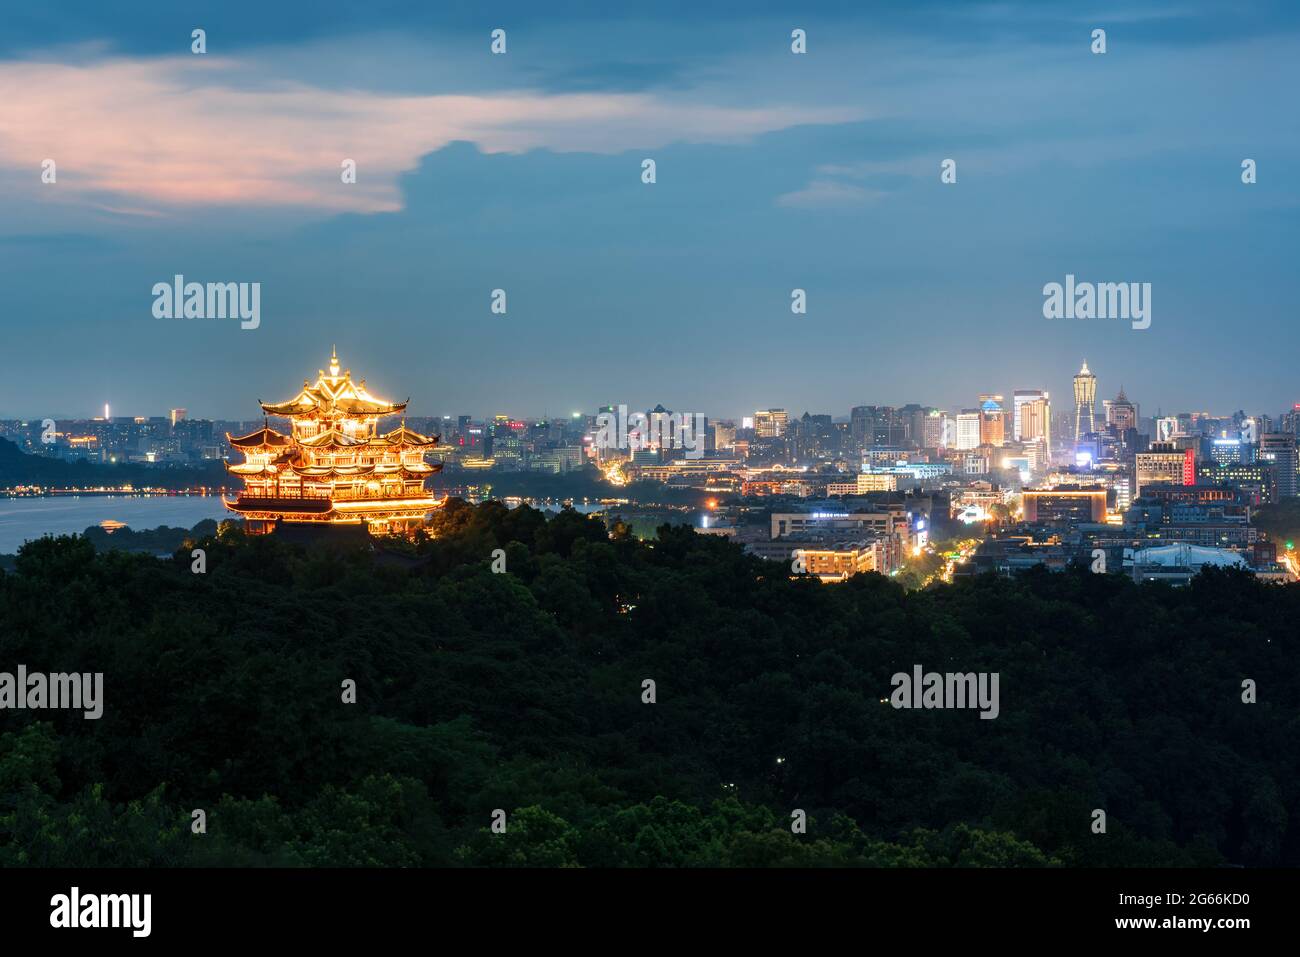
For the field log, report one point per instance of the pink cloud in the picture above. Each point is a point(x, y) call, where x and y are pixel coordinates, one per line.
point(197, 131)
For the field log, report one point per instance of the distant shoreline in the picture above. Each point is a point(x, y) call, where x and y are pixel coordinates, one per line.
point(28, 516)
point(21, 492)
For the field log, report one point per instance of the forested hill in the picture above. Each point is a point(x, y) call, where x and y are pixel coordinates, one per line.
point(19, 468)
point(523, 691)
point(1280, 521)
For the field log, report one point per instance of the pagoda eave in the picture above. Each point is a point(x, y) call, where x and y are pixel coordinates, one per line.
point(337, 513)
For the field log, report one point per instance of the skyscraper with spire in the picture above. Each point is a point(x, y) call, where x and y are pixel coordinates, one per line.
point(1085, 397)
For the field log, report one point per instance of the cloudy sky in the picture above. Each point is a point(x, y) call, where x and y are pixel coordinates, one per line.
point(522, 171)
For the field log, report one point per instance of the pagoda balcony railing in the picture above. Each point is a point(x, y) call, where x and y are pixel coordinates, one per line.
point(338, 495)
point(293, 493)
point(367, 494)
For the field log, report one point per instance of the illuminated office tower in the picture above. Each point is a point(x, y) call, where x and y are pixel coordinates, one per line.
point(968, 430)
point(1162, 465)
point(770, 423)
point(1227, 452)
point(935, 433)
point(1019, 398)
point(992, 420)
point(1033, 418)
point(1279, 450)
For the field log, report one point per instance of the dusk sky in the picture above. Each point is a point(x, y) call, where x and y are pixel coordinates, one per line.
point(522, 171)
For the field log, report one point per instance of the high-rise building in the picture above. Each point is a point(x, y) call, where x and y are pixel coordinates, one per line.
point(992, 420)
point(912, 418)
point(1085, 397)
point(1033, 417)
point(1290, 421)
point(933, 434)
point(814, 437)
point(1279, 449)
point(889, 429)
point(1121, 413)
point(1019, 398)
point(1164, 464)
point(660, 433)
point(968, 430)
point(770, 423)
point(178, 415)
point(862, 425)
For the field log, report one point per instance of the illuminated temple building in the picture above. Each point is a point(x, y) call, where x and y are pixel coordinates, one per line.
point(334, 467)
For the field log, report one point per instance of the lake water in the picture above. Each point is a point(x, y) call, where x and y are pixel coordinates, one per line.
point(22, 519)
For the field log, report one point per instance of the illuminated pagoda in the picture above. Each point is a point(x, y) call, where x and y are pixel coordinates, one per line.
point(334, 467)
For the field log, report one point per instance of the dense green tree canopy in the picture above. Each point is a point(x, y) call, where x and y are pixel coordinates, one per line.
point(522, 692)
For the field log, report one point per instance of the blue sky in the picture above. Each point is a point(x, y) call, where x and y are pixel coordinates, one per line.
point(522, 172)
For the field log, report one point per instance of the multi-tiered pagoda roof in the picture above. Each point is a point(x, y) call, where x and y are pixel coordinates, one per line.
point(334, 466)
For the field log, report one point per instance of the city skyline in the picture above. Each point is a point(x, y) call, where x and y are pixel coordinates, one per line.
point(1062, 409)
